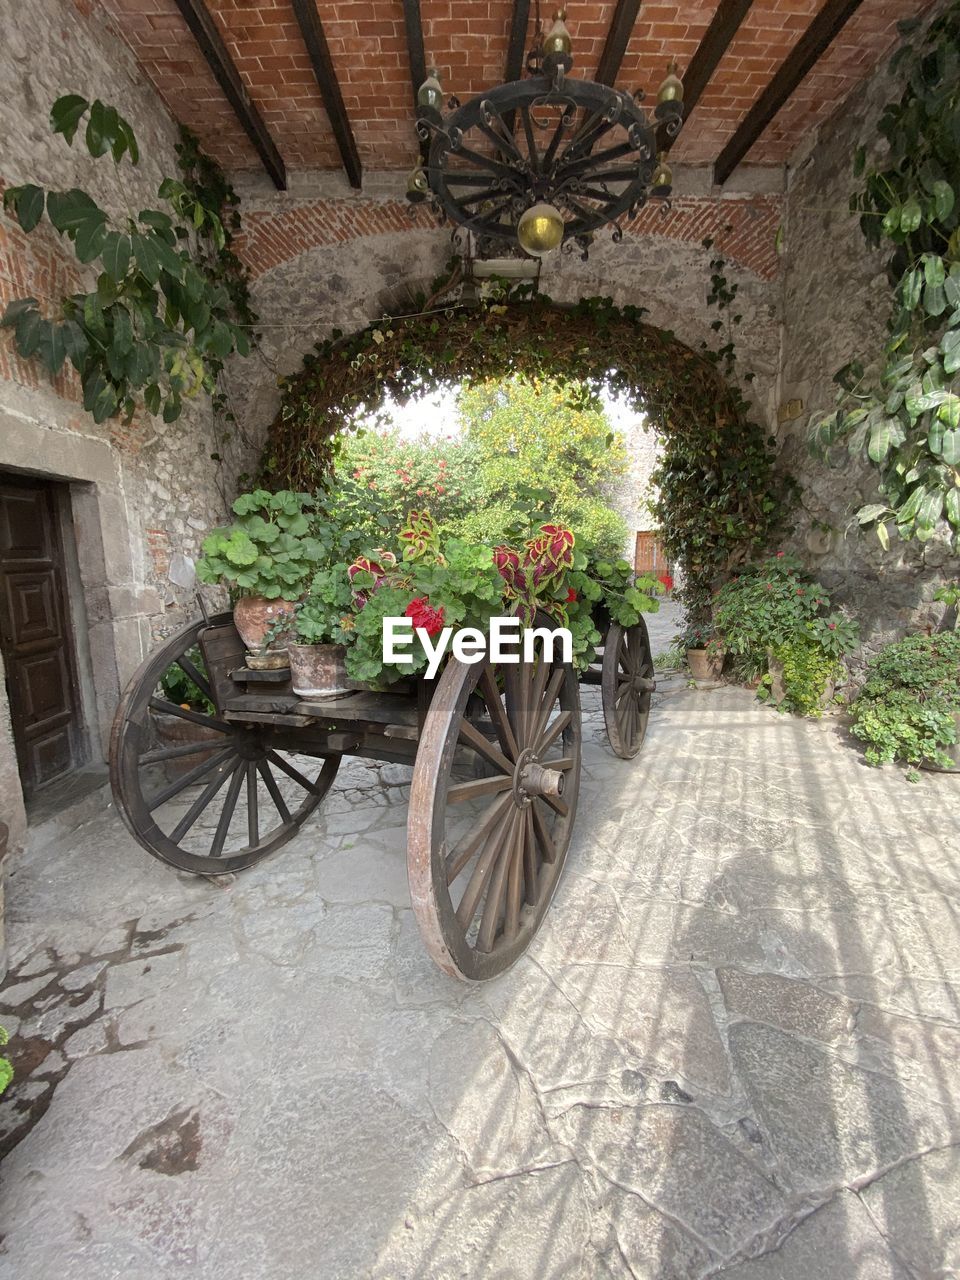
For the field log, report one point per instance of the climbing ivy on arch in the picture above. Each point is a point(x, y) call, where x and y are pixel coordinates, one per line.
point(720, 498)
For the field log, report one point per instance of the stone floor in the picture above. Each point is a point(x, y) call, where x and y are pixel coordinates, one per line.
point(734, 1049)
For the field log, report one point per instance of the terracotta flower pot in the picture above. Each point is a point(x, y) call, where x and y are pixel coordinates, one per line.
point(254, 615)
point(171, 731)
point(705, 664)
point(318, 670)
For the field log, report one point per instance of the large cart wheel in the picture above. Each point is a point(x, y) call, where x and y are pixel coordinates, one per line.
point(626, 686)
point(182, 802)
point(484, 854)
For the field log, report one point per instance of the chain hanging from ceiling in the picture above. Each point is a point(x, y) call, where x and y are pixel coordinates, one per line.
point(544, 162)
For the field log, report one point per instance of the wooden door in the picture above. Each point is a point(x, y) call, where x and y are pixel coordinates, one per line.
point(650, 557)
point(34, 634)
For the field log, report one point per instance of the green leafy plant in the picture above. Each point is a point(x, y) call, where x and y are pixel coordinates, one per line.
point(902, 412)
point(908, 705)
point(161, 320)
point(717, 483)
point(807, 672)
point(270, 550)
point(6, 1067)
point(179, 688)
point(325, 616)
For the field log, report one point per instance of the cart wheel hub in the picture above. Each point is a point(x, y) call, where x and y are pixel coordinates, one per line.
point(530, 779)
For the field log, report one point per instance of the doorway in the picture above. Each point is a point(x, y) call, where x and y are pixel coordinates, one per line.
point(35, 634)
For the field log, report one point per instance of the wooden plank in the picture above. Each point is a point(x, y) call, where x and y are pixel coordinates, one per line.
point(223, 653)
point(208, 37)
point(316, 41)
point(726, 22)
point(247, 675)
point(621, 28)
point(811, 46)
point(415, 51)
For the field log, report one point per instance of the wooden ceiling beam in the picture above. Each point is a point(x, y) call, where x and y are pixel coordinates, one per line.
point(621, 29)
point(719, 36)
point(418, 59)
point(516, 47)
point(316, 41)
point(211, 44)
point(806, 53)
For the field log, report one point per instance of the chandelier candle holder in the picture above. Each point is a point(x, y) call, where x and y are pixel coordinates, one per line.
point(543, 163)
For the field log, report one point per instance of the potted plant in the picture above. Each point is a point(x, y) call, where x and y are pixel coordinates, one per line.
point(318, 634)
point(704, 654)
point(775, 619)
point(266, 557)
point(909, 706)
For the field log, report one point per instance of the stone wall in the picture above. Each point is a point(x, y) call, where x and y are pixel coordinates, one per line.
point(138, 491)
point(835, 304)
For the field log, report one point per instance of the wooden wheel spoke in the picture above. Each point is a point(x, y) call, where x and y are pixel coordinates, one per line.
point(182, 713)
point(196, 675)
point(290, 771)
point(536, 697)
point(188, 779)
point(275, 796)
point(558, 805)
point(552, 734)
point(198, 806)
point(511, 919)
point(498, 715)
point(547, 848)
point(546, 705)
point(227, 812)
point(458, 859)
point(175, 753)
point(492, 847)
point(530, 877)
point(461, 791)
point(253, 802)
point(479, 742)
point(498, 883)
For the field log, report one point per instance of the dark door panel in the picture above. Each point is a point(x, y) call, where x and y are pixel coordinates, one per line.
point(34, 634)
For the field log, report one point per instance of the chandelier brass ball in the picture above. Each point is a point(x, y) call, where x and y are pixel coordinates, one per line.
point(540, 229)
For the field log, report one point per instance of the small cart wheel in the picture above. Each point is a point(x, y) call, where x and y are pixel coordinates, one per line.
point(626, 686)
point(181, 802)
point(485, 854)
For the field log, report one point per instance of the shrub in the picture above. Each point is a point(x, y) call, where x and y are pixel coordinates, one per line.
point(907, 707)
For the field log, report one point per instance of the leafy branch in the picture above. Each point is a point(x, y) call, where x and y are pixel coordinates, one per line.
point(162, 319)
point(903, 414)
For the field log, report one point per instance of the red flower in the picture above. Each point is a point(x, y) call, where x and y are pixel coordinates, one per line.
point(440, 488)
point(832, 626)
point(423, 615)
point(768, 586)
point(667, 580)
point(781, 554)
point(799, 591)
point(571, 596)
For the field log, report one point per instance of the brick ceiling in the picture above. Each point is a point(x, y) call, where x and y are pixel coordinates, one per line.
point(468, 42)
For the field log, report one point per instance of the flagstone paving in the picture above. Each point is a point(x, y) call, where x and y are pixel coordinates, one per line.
point(734, 1049)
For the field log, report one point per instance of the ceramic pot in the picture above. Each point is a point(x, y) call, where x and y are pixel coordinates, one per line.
point(171, 731)
point(705, 664)
point(318, 670)
point(953, 752)
point(254, 615)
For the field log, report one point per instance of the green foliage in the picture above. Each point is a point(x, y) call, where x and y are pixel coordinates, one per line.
point(269, 550)
point(773, 603)
point(179, 688)
point(720, 499)
point(906, 709)
point(807, 671)
point(325, 615)
point(904, 416)
point(6, 1068)
point(163, 316)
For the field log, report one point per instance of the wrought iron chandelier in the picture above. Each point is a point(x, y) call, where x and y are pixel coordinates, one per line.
point(584, 154)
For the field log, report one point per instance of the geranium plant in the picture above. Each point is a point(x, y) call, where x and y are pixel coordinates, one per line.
point(908, 708)
point(270, 549)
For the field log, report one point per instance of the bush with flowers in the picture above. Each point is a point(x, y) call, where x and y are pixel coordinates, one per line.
point(439, 582)
point(773, 610)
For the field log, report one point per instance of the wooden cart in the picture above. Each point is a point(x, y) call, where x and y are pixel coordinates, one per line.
point(496, 771)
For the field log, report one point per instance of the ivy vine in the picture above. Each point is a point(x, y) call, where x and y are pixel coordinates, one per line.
point(720, 499)
point(902, 411)
point(170, 302)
